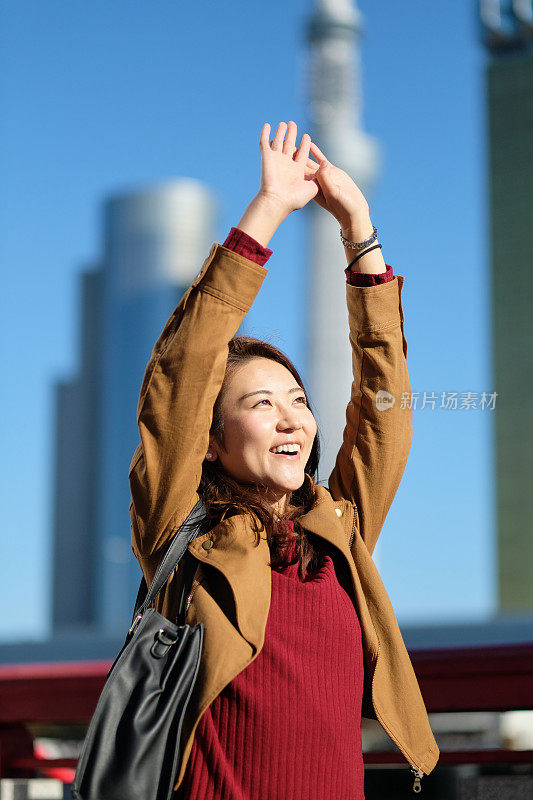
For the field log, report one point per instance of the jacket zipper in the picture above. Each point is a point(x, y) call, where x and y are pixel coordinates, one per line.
point(418, 775)
point(354, 521)
point(416, 771)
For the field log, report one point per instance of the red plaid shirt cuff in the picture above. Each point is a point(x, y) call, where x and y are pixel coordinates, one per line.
point(368, 279)
point(245, 245)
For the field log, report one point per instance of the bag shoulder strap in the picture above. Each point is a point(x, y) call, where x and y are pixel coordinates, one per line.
point(188, 530)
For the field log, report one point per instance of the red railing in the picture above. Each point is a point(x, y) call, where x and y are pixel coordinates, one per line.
point(451, 680)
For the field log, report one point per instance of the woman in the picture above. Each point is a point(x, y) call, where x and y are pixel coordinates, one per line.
point(300, 637)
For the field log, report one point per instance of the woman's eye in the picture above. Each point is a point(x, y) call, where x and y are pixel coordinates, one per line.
point(300, 399)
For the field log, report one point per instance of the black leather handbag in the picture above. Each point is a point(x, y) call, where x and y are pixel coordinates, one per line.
point(132, 746)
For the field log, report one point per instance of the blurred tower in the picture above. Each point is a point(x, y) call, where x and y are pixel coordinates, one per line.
point(155, 240)
point(335, 107)
point(77, 410)
point(507, 29)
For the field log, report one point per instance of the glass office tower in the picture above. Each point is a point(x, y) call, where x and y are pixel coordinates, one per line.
point(155, 242)
point(508, 35)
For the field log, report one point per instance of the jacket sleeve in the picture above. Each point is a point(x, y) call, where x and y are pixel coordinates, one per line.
point(180, 385)
point(378, 432)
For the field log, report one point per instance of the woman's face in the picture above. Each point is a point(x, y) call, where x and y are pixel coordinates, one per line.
point(263, 407)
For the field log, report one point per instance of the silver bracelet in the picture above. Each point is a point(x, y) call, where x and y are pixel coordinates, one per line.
point(360, 245)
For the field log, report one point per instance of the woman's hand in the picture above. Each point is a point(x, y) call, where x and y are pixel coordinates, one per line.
point(339, 195)
point(285, 177)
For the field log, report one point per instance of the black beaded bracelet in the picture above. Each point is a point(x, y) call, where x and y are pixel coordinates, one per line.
point(375, 247)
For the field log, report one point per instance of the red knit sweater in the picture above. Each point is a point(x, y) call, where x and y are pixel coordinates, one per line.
point(288, 727)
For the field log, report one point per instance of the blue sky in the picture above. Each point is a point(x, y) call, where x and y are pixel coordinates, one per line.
point(100, 97)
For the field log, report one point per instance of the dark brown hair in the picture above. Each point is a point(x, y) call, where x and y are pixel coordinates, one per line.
point(224, 496)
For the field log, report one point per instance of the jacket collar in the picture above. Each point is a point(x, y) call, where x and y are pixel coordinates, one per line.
point(324, 520)
point(246, 566)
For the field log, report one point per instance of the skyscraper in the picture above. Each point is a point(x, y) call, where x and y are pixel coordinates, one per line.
point(508, 35)
point(154, 242)
point(335, 103)
point(77, 403)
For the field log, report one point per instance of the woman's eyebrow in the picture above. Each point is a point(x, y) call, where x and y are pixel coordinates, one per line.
point(267, 391)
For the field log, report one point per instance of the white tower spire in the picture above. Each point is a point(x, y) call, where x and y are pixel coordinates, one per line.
point(335, 110)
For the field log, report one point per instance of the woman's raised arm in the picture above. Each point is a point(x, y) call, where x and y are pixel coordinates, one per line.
point(378, 431)
point(187, 365)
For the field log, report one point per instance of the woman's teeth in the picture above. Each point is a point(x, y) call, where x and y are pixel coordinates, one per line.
point(287, 449)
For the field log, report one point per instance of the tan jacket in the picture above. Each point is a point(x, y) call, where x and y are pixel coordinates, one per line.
point(231, 590)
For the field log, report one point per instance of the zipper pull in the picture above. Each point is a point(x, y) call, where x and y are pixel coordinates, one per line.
point(418, 775)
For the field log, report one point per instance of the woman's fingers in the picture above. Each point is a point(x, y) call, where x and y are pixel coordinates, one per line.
point(309, 161)
point(278, 138)
point(290, 139)
point(303, 152)
point(287, 172)
point(263, 141)
point(287, 145)
point(317, 152)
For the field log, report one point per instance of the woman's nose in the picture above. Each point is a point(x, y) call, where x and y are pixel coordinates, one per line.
point(290, 419)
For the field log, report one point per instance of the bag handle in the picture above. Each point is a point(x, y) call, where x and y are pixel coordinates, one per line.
point(188, 530)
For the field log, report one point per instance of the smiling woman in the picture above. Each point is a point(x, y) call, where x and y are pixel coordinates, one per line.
point(300, 638)
point(263, 442)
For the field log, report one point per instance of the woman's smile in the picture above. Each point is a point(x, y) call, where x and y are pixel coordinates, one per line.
point(290, 449)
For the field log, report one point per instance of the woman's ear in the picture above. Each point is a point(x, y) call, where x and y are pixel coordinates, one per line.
point(212, 452)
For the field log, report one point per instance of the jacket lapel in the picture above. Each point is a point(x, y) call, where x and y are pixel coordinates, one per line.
point(325, 520)
point(246, 568)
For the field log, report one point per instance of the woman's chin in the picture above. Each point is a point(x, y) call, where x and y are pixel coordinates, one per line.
point(288, 486)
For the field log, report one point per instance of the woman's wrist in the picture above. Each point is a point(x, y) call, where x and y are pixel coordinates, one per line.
point(263, 216)
point(359, 229)
point(371, 263)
